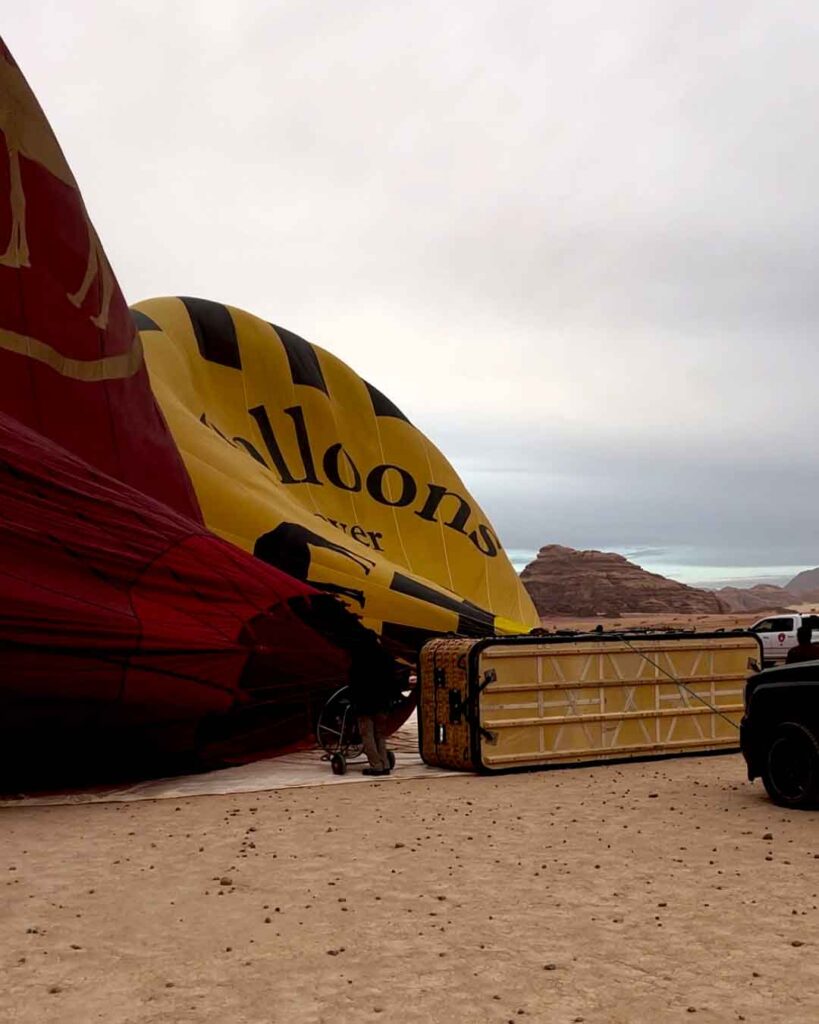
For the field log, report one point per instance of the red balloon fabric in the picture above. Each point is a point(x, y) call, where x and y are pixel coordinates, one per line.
point(117, 611)
point(71, 363)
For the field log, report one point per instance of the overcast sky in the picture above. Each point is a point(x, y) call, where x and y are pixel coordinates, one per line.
point(575, 241)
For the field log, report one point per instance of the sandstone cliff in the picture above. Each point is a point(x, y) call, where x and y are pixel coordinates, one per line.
point(563, 581)
point(805, 585)
point(762, 598)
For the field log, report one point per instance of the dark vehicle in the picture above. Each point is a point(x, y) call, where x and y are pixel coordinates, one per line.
point(779, 733)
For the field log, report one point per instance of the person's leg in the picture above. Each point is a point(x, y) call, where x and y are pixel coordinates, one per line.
point(380, 730)
point(366, 727)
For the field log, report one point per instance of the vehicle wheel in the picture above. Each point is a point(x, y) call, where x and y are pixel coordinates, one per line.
point(791, 774)
point(391, 759)
point(338, 764)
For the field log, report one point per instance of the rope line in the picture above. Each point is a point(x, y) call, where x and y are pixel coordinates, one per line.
point(679, 682)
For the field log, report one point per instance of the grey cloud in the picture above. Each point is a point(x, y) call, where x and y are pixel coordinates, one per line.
point(761, 511)
point(575, 241)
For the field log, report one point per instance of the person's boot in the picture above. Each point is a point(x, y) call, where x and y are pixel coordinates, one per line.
point(376, 771)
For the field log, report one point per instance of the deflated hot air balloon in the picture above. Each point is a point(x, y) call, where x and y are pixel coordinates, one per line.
point(296, 458)
point(178, 482)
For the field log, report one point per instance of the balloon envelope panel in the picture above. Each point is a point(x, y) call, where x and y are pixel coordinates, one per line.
point(118, 611)
point(297, 458)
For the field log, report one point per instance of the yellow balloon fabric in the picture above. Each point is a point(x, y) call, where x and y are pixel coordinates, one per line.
point(296, 458)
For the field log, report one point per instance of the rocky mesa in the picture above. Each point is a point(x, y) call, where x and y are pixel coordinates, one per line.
point(805, 585)
point(764, 597)
point(563, 581)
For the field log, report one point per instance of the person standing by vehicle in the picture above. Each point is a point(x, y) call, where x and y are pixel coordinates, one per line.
point(805, 649)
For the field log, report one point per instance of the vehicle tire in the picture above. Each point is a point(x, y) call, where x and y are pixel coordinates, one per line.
point(338, 764)
point(791, 772)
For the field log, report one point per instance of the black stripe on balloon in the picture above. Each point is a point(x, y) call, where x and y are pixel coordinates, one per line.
point(215, 332)
point(304, 364)
point(472, 620)
point(382, 406)
point(143, 322)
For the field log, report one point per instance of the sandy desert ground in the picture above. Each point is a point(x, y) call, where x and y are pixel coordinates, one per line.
point(667, 620)
point(621, 894)
point(662, 891)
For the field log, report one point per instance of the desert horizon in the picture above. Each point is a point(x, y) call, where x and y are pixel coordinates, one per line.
point(698, 574)
point(669, 620)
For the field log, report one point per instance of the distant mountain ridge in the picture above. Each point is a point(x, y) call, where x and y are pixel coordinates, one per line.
point(564, 581)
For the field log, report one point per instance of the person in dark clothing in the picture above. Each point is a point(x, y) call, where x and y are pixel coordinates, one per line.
point(372, 678)
point(372, 681)
point(805, 649)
